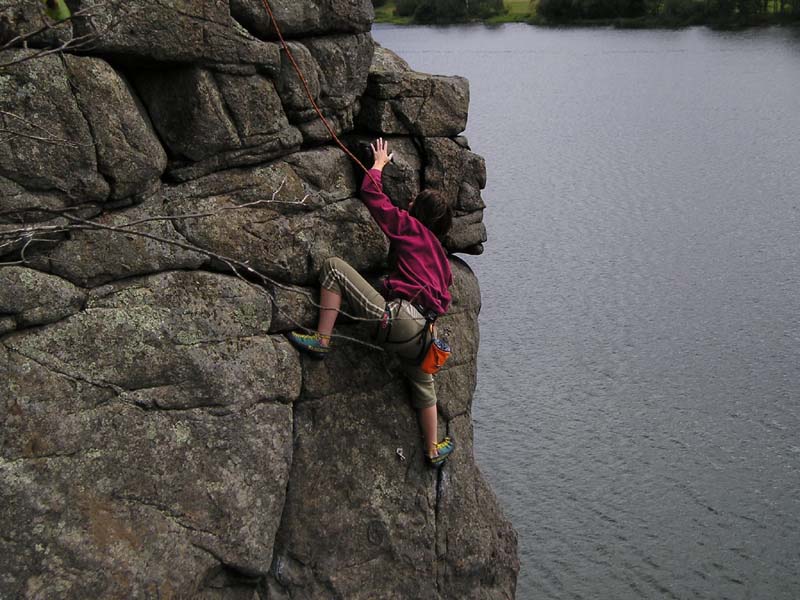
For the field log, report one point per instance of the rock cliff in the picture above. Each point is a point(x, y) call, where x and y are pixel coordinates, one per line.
point(167, 195)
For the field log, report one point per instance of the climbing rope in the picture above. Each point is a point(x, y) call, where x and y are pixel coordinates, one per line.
point(309, 94)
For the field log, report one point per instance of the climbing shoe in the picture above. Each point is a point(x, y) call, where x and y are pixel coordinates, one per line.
point(445, 449)
point(310, 343)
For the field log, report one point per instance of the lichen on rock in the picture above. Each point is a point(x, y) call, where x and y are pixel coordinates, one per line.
point(167, 196)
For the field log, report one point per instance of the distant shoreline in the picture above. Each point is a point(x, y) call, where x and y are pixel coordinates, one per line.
point(518, 11)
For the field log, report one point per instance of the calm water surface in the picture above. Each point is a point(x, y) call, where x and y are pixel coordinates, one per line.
point(638, 408)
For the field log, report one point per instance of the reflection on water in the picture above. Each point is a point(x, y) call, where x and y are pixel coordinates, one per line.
point(638, 408)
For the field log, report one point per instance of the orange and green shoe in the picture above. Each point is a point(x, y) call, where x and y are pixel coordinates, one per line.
point(310, 343)
point(445, 449)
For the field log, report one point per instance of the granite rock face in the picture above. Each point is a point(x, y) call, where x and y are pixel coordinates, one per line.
point(302, 18)
point(167, 196)
point(399, 100)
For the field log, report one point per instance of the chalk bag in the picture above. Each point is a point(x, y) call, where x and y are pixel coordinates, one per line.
point(437, 354)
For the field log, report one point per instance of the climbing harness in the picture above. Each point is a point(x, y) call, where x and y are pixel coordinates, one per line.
point(434, 351)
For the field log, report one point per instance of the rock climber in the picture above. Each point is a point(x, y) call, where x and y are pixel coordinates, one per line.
point(415, 293)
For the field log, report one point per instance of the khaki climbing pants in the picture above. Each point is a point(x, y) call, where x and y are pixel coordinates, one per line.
point(406, 322)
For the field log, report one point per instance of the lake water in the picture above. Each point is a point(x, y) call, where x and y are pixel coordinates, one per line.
point(638, 404)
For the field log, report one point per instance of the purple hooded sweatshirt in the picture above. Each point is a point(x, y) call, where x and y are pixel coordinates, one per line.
point(422, 273)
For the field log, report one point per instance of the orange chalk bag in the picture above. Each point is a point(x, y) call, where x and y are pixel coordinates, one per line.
point(436, 354)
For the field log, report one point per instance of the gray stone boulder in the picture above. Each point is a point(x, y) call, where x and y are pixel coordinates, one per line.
point(144, 241)
point(129, 155)
point(212, 120)
point(336, 69)
point(327, 173)
point(401, 178)
point(161, 437)
point(29, 297)
point(456, 382)
point(127, 428)
point(200, 31)
point(362, 519)
point(452, 168)
point(293, 307)
point(399, 100)
point(304, 17)
point(75, 134)
point(284, 227)
point(24, 17)
point(48, 147)
point(478, 544)
point(171, 340)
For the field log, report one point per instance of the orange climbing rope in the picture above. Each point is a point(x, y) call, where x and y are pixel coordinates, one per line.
point(308, 91)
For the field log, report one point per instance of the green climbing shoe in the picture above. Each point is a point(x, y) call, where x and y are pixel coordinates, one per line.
point(445, 449)
point(310, 343)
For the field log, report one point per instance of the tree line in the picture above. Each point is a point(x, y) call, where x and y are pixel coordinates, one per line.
point(631, 12)
point(670, 12)
point(445, 11)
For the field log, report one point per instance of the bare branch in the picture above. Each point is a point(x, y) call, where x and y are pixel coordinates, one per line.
point(82, 42)
point(79, 43)
point(255, 203)
point(48, 25)
point(237, 267)
point(51, 139)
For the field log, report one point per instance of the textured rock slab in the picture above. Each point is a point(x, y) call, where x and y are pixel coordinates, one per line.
point(285, 237)
point(212, 120)
point(455, 384)
point(129, 154)
point(326, 171)
point(304, 17)
point(147, 439)
point(91, 258)
point(28, 297)
point(477, 545)
point(172, 340)
point(336, 69)
point(48, 147)
point(24, 17)
point(368, 368)
point(453, 169)
point(358, 519)
point(201, 31)
point(401, 178)
point(293, 307)
point(157, 419)
point(108, 502)
point(75, 135)
point(399, 100)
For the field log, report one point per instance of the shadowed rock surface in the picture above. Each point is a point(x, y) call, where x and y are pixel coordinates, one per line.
point(160, 437)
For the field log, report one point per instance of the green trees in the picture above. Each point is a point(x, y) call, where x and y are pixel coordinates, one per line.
point(447, 11)
point(576, 10)
point(669, 12)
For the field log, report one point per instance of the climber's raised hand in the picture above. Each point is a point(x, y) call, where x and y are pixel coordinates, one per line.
point(380, 150)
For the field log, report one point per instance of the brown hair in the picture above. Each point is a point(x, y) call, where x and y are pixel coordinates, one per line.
point(433, 211)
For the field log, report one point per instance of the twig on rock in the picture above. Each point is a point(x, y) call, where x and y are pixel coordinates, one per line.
point(82, 42)
point(51, 139)
point(29, 235)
